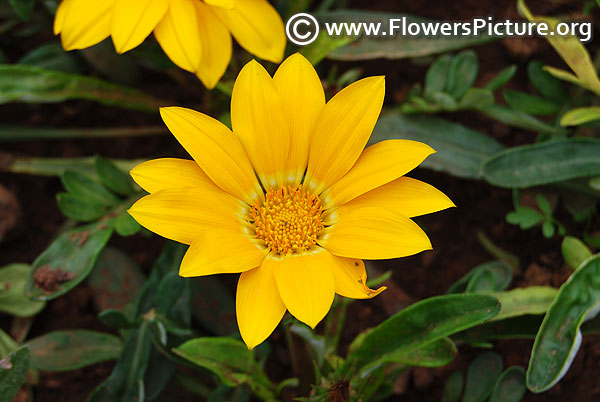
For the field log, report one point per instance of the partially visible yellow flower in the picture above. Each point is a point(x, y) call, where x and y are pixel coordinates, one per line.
point(289, 199)
point(195, 34)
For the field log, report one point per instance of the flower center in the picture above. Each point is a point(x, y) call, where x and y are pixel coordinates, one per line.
point(288, 220)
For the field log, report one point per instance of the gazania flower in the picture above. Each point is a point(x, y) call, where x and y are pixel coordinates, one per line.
point(195, 34)
point(289, 199)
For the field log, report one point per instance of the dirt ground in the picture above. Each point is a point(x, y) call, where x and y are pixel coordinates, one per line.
point(480, 207)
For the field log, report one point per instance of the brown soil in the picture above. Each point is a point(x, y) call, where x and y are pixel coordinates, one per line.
point(480, 207)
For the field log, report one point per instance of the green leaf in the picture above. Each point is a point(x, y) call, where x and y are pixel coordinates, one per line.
point(422, 323)
point(476, 98)
point(322, 46)
point(13, 371)
point(87, 189)
point(395, 46)
point(548, 229)
point(500, 272)
point(580, 115)
point(212, 305)
point(16, 133)
point(501, 78)
point(525, 217)
point(531, 104)
point(570, 49)
point(546, 84)
point(158, 373)
point(437, 75)
point(574, 251)
point(453, 387)
point(115, 280)
point(229, 359)
point(543, 204)
point(23, 8)
point(169, 290)
point(510, 387)
point(113, 177)
point(57, 166)
point(543, 163)
point(76, 208)
point(125, 225)
point(462, 73)
point(67, 261)
point(434, 354)
point(482, 376)
point(116, 319)
point(519, 119)
point(72, 349)
point(7, 344)
point(461, 151)
point(51, 56)
point(559, 337)
point(523, 301)
point(30, 84)
point(126, 382)
point(12, 292)
point(521, 327)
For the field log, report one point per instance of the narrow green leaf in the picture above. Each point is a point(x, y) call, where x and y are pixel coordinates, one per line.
point(72, 349)
point(521, 327)
point(57, 166)
point(462, 73)
point(87, 189)
point(14, 133)
point(435, 354)
point(461, 151)
point(543, 163)
point(67, 261)
point(574, 251)
point(499, 270)
point(230, 360)
point(559, 337)
point(23, 8)
point(13, 371)
point(580, 115)
point(531, 104)
point(51, 56)
point(113, 177)
point(125, 225)
point(21, 83)
point(126, 382)
point(422, 323)
point(322, 46)
point(453, 387)
point(501, 78)
point(74, 207)
point(475, 98)
point(212, 305)
point(482, 376)
point(523, 301)
point(543, 204)
point(519, 119)
point(12, 292)
point(437, 75)
point(116, 319)
point(395, 46)
point(548, 229)
point(7, 344)
point(546, 84)
point(510, 387)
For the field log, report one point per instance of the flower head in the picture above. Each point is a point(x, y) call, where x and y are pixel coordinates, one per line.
point(195, 34)
point(289, 199)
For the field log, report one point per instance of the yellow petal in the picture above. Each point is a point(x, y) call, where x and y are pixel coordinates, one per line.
point(342, 131)
point(257, 27)
point(178, 34)
point(351, 279)
point(407, 196)
point(220, 251)
point(181, 214)
point(134, 20)
point(216, 46)
point(373, 233)
point(221, 3)
point(303, 99)
point(305, 283)
point(217, 151)
point(159, 174)
point(83, 23)
point(377, 165)
point(257, 118)
point(259, 307)
point(59, 19)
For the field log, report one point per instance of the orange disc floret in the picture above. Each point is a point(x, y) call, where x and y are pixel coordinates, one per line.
point(289, 219)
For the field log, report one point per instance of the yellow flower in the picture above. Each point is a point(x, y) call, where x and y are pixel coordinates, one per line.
point(195, 34)
point(289, 199)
